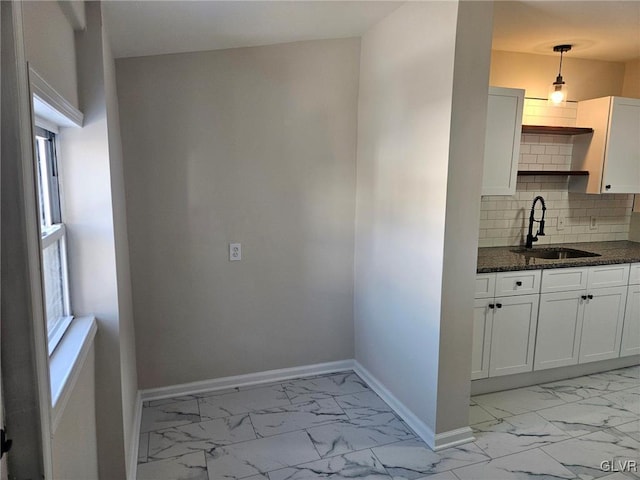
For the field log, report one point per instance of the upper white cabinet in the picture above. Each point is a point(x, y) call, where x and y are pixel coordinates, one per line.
point(502, 141)
point(612, 153)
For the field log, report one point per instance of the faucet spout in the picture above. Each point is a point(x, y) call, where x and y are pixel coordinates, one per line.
point(530, 237)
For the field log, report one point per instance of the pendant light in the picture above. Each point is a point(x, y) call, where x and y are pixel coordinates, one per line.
point(558, 89)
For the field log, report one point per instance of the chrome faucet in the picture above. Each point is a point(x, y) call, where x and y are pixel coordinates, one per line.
point(530, 237)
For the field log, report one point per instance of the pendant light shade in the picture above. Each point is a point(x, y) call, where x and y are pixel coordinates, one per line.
point(558, 90)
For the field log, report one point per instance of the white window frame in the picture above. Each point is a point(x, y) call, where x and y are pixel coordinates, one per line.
point(50, 233)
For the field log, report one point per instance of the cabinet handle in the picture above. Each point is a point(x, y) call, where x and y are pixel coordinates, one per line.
point(607, 187)
point(499, 305)
point(584, 297)
point(518, 283)
point(491, 305)
point(590, 297)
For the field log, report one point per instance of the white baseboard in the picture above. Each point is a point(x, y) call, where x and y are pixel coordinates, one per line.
point(436, 442)
point(132, 471)
point(245, 380)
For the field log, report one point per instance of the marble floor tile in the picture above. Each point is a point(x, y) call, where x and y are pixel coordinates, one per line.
point(187, 467)
point(618, 379)
point(358, 465)
point(514, 402)
point(617, 476)
point(515, 434)
point(585, 416)
point(260, 456)
point(242, 401)
point(628, 399)
point(413, 459)
point(288, 418)
point(583, 455)
point(440, 476)
point(359, 433)
point(575, 389)
point(529, 465)
point(632, 429)
point(205, 435)
point(169, 415)
point(324, 387)
point(477, 414)
point(143, 447)
point(362, 404)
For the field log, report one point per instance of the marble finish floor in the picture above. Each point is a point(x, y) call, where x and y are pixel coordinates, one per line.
point(334, 426)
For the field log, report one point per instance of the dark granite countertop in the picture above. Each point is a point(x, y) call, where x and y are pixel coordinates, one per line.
point(503, 259)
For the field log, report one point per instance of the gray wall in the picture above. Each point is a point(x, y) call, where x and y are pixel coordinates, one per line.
point(252, 145)
point(92, 185)
point(75, 455)
point(421, 123)
point(403, 150)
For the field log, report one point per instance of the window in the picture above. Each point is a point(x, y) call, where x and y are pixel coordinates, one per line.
point(53, 239)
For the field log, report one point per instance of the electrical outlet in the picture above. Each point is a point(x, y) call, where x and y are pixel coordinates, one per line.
point(561, 222)
point(593, 223)
point(235, 252)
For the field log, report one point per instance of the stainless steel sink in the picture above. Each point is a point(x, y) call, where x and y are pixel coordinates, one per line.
point(555, 253)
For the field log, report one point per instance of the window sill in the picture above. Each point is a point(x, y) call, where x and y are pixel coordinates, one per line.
point(66, 363)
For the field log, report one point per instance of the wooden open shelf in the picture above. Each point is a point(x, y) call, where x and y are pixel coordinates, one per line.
point(545, 130)
point(554, 173)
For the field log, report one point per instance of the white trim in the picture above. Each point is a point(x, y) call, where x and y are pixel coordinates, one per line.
point(66, 364)
point(46, 124)
point(436, 442)
point(452, 438)
point(132, 471)
point(50, 105)
point(51, 234)
point(245, 380)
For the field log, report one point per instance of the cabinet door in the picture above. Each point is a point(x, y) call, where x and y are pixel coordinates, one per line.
point(502, 141)
point(482, 319)
point(602, 324)
point(631, 329)
point(559, 329)
point(622, 151)
point(513, 335)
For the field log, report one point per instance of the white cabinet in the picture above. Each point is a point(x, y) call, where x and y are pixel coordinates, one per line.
point(504, 325)
point(481, 349)
point(602, 324)
point(513, 334)
point(631, 327)
point(612, 153)
point(581, 319)
point(559, 329)
point(502, 141)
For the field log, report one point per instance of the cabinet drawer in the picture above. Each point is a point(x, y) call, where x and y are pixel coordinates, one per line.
point(608, 276)
point(634, 274)
point(518, 283)
point(564, 279)
point(485, 285)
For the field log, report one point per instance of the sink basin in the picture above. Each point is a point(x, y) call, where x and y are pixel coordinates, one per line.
point(555, 253)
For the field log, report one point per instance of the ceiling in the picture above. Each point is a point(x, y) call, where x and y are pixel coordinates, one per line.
point(138, 28)
point(603, 30)
point(598, 30)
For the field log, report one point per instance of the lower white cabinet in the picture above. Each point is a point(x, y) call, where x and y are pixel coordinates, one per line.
point(504, 330)
point(559, 329)
point(481, 348)
point(602, 324)
point(513, 333)
point(631, 330)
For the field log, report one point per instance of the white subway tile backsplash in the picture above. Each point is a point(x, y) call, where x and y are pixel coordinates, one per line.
point(504, 220)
